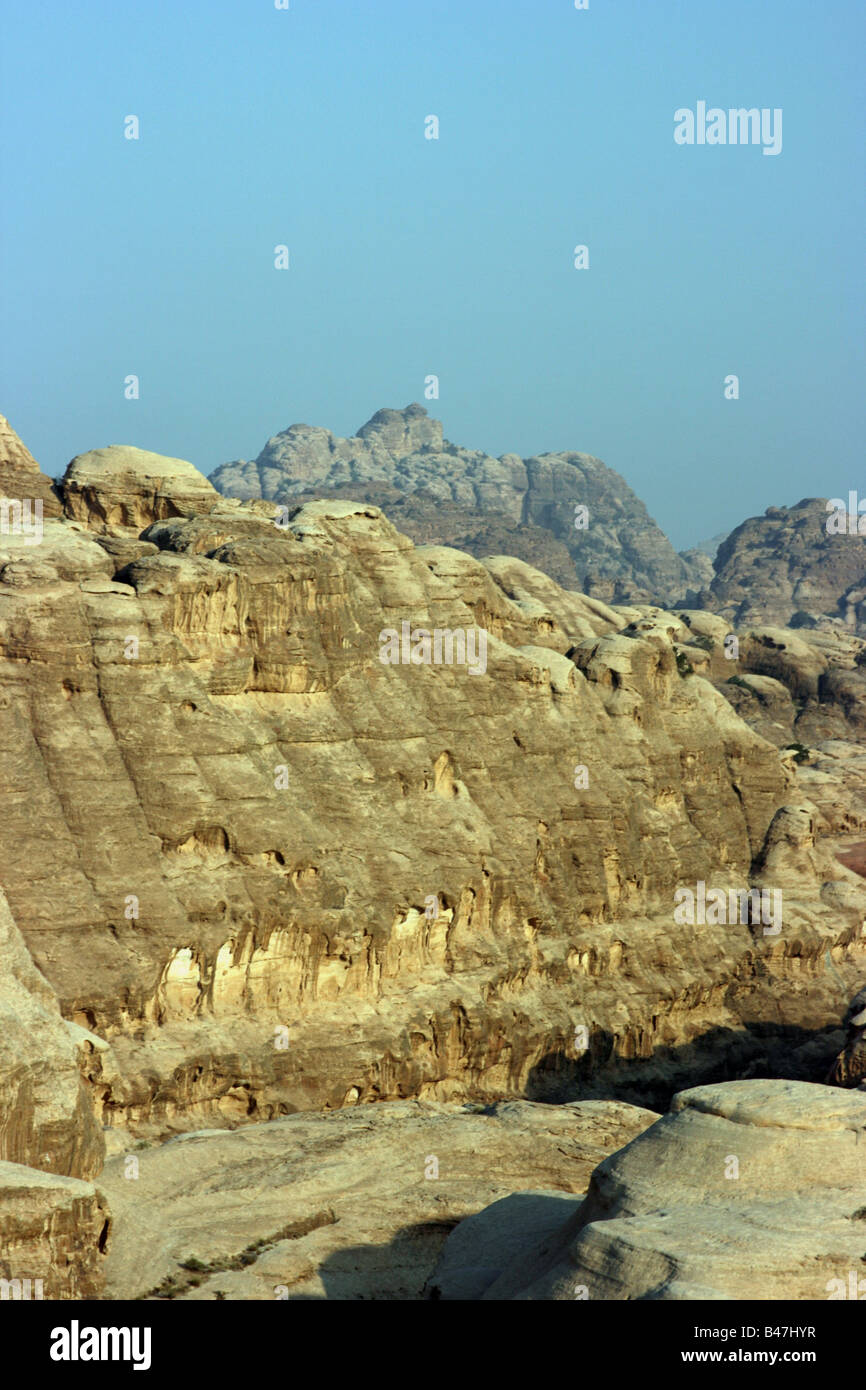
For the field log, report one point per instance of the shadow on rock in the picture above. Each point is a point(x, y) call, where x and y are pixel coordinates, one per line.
point(397, 1270)
point(757, 1050)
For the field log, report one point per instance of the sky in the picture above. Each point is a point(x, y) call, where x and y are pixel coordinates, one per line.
point(411, 257)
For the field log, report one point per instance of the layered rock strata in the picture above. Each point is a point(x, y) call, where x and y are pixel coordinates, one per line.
point(295, 877)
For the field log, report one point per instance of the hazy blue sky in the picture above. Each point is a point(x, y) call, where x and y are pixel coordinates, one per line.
point(413, 256)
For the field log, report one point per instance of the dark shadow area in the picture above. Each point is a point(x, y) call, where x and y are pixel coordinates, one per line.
point(396, 1271)
point(488, 1242)
point(757, 1050)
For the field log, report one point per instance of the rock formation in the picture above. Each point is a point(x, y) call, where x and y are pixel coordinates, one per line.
point(254, 869)
point(437, 492)
point(786, 568)
point(295, 877)
point(750, 1190)
point(53, 1236)
point(127, 488)
point(355, 1204)
point(46, 1117)
point(20, 475)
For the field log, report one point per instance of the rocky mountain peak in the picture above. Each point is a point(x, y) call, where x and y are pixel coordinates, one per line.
point(403, 431)
point(567, 513)
point(785, 567)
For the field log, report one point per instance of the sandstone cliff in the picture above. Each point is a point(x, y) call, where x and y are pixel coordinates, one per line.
point(295, 877)
point(251, 870)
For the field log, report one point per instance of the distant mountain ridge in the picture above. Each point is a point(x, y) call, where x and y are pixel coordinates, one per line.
point(438, 492)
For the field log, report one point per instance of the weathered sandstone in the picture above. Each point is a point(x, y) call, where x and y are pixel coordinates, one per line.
point(46, 1117)
point(750, 1190)
point(54, 1235)
point(355, 1204)
point(294, 877)
point(20, 475)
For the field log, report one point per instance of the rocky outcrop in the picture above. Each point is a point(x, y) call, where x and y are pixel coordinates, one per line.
point(356, 1204)
point(786, 568)
point(751, 1190)
point(125, 487)
point(54, 1236)
point(437, 492)
point(21, 477)
point(295, 877)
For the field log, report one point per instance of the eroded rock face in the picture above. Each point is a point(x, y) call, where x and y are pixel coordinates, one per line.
point(751, 1190)
point(356, 1204)
point(437, 492)
point(295, 877)
point(126, 487)
point(54, 1236)
point(46, 1118)
point(20, 474)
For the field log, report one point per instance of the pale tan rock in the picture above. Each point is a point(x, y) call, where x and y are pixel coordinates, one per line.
point(765, 703)
point(266, 836)
point(265, 872)
point(750, 1190)
point(779, 652)
point(122, 486)
point(355, 1204)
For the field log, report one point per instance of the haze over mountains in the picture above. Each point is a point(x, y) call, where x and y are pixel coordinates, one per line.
point(251, 872)
point(778, 567)
point(439, 493)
